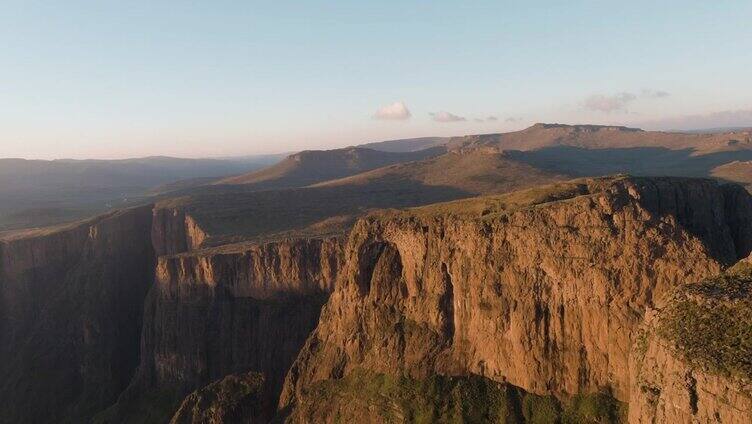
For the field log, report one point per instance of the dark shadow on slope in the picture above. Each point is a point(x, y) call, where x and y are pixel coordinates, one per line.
point(231, 215)
point(634, 161)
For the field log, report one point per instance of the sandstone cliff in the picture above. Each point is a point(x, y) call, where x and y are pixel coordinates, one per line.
point(544, 289)
point(692, 362)
point(522, 307)
point(71, 301)
point(175, 231)
point(217, 312)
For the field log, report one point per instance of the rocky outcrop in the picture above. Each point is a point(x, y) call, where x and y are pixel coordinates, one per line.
point(691, 363)
point(175, 231)
point(245, 308)
point(233, 399)
point(71, 302)
point(544, 289)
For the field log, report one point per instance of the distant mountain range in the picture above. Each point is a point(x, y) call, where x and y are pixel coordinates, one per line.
point(313, 166)
point(38, 192)
point(47, 192)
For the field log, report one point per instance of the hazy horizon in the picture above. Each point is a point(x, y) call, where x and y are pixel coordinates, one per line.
point(83, 80)
point(241, 156)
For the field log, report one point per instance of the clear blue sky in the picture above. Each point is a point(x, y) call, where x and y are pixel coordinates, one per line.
point(211, 78)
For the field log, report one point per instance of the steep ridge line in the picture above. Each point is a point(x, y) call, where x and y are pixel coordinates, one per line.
point(474, 165)
point(510, 284)
point(312, 166)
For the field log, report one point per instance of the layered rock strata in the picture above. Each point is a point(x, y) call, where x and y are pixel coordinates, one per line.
point(246, 308)
point(544, 289)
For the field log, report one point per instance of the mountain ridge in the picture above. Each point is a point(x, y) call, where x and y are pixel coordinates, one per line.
point(313, 166)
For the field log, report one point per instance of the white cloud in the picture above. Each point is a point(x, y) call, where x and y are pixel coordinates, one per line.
point(608, 104)
point(396, 111)
point(446, 117)
point(492, 118)
point(513, 119)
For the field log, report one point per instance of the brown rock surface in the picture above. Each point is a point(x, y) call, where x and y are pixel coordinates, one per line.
point(544, 288)
point(71, 302)
point(175, 231)
point(237, 309)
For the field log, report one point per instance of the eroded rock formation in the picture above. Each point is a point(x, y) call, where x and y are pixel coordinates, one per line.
point(533, 299)
point(246, 308)
point(175, 231)
point(544, 289)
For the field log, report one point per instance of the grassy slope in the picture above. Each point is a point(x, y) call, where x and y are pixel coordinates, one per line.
point(441, 399)
point(710, 323)
point(313, 166)
point(475, 171)
point(489, 206)
point(330, 208)
point(736, 171)
point(595, 137)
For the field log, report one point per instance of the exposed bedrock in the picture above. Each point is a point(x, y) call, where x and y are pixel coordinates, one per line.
point(175, 231)
point(250, 308)
point(546, 296)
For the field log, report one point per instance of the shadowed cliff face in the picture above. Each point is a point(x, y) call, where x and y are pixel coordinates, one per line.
point(249, 308)
point(546, 295)
point(74, 298)
point(70, 316)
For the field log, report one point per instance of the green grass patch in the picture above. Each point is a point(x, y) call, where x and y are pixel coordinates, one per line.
point(710, 323)
point(443, 399)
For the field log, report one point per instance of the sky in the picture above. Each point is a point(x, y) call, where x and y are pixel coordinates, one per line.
point(116, 79)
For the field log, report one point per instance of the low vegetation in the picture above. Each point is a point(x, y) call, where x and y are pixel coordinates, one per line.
point(443, 399)
point(234, 398)
point(150, 406)
point(488, 206)
point(710, 323)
